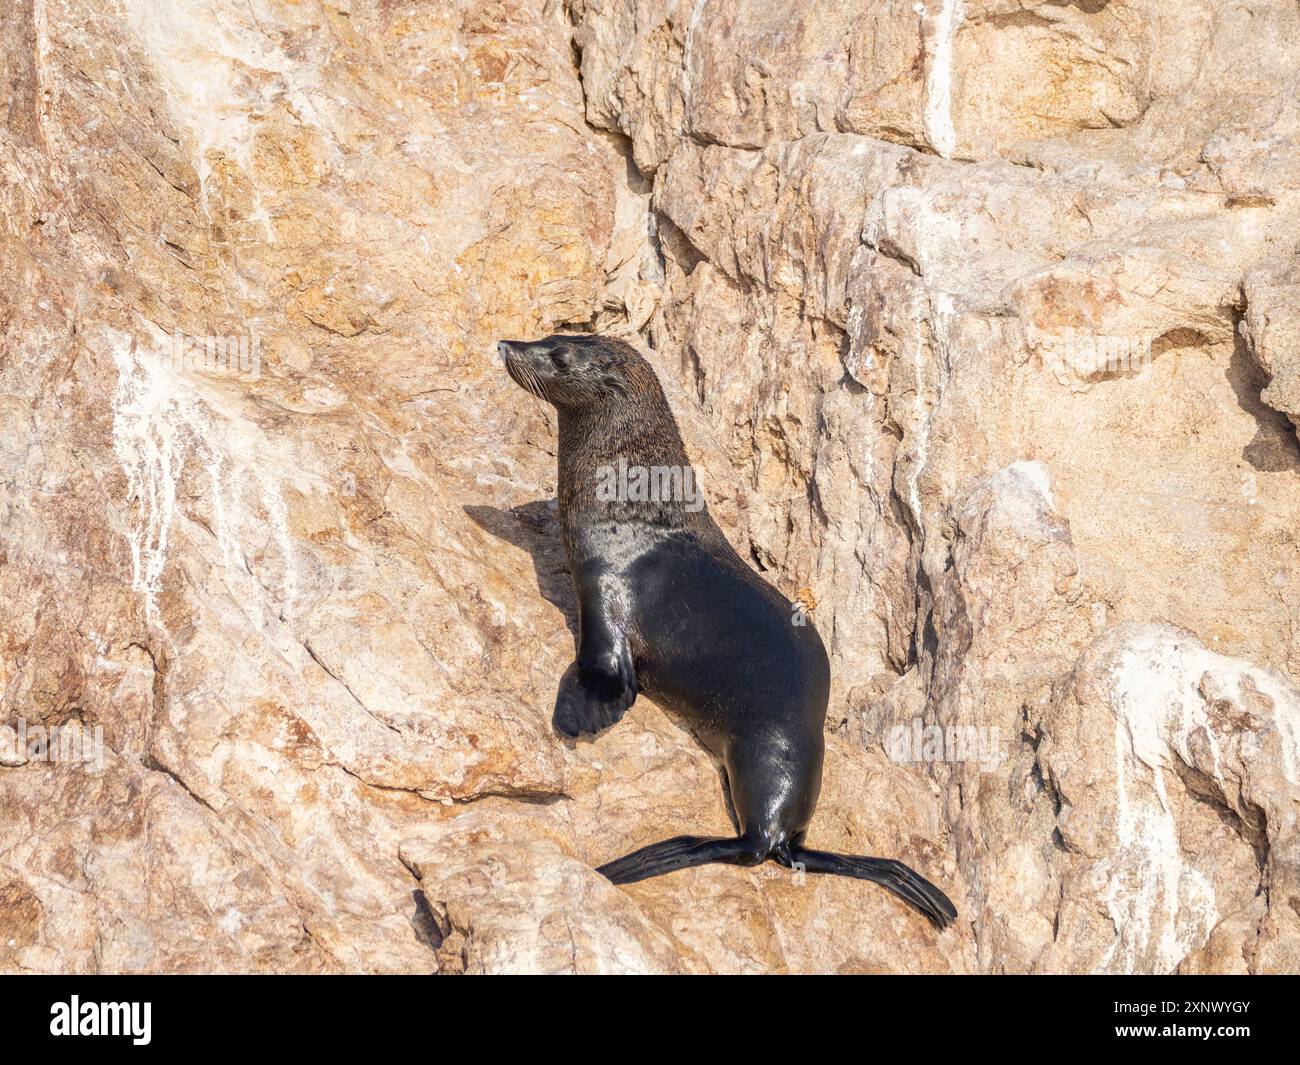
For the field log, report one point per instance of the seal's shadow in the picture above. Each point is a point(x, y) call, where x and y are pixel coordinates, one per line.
point(535, 527)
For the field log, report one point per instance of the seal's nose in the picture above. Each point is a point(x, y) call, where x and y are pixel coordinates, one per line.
point(503, 349)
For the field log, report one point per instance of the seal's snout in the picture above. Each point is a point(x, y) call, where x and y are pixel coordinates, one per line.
point(515, 356)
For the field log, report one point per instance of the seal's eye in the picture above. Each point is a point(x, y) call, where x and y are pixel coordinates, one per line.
point(562, 358)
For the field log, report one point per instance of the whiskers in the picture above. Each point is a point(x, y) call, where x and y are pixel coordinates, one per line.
point(525, 377)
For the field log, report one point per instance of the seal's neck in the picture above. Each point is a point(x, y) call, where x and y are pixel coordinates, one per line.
point(643, 433)
point(609, 456)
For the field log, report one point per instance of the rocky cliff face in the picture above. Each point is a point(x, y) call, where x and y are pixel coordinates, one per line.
point(979, 318)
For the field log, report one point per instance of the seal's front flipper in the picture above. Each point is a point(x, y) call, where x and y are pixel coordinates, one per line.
point(600, 685)
point(595, 694)
point(893, 876)
point(680, 852)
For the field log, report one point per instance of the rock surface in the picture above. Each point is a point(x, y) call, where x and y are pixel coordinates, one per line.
point(979, 318)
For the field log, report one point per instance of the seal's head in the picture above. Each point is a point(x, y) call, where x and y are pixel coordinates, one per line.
point(575, 371)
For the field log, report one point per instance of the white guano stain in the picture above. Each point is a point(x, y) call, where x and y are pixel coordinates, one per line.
point(231, 554)
point(221, 74)
point(1035, 476)
point(1159, 696)
point(942, 315)
point(1162, 907)
point(908, 218)
point(148, 429)
point(938, 31)
point(278, 518)
point(688, 49)
point(161, 419)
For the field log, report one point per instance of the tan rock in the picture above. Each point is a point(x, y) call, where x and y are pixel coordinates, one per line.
point(997, 404)
point(1272, 327)
point(977, 317)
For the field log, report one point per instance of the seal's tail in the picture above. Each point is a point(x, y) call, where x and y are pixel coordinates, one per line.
point(907, 884)
point(680, 852)
point(684, 852)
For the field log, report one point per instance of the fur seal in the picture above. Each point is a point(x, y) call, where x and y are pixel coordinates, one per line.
point(667, 607)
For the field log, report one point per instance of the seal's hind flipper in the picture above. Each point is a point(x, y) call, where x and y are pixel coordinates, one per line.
point(589, 701)
point(893, 876)
point(680, 852)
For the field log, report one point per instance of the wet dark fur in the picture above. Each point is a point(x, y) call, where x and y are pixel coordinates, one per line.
point(666, 606)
